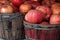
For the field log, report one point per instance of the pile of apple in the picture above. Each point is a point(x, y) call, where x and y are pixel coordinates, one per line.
point(37, 11)
point(10, 6)
point(43, 14)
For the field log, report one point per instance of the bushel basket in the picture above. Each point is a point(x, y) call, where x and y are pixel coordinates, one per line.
point(41, 32)
point(11, 26)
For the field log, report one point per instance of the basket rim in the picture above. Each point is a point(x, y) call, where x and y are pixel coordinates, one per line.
point(42, 26)
point(9, 16)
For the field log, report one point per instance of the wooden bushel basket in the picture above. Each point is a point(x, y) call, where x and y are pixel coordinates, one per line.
point(11, 26)
point(41, 32)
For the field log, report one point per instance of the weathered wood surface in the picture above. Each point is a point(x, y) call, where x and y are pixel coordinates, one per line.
point(12, 30)
point(4, 29)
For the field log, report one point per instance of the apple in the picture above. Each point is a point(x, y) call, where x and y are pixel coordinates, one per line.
point(24, 0)
point(48, 2)
point(6, 9)
point(34, 34)
point(4, 1)
point(0, 6)
point(16, 9)
point(55, 5)
point(56, 8)
point(55, 19)
point(44, 23)
point(35, 4)
point(35, 0)
point(32, 3)
point(27, 32)
point(16, 2)
point(24, 8)
point(46, 10)
point(34, 16)
point(53, 34)
point(49, 34)
point(27, 2)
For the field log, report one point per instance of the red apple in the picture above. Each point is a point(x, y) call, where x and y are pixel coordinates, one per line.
point(48, 2)
point(16, 2)
point(27, 2)
point(46, 10)
point(34, 16)
point(55, 19)
point(6, 9)
point(24, 8)
point(34, 4)
point(0, 7)
point(16, 9)
point(44, 23)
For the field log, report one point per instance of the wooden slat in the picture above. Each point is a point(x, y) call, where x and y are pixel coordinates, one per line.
point(16, 27)
point(11, 30)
